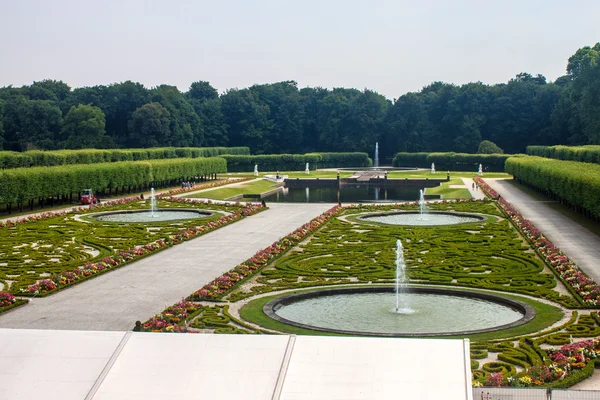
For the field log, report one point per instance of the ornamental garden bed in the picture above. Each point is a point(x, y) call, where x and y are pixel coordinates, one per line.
point(501, 253)
point(46, 253)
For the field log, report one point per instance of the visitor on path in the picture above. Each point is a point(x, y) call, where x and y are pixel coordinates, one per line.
point(473, 185)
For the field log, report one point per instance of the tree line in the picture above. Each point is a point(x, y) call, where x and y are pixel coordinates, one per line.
point(282, 118)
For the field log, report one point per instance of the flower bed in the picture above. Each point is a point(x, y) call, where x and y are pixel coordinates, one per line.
point(218, 287)
point(564, 365)
point(169, 320)
point(221, 285)
point(581, 284)
point(66, 278)
point(8, 301)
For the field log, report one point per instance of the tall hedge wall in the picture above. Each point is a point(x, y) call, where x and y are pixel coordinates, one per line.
point(271, 162)
point(589, 154)
point(343, 160)
point(452, 161)
point(37, 158)
point(295, 162)
point(574, 183)
point(24, 184)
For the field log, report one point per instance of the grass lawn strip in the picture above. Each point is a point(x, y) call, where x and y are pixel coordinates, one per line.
point(254, 187)
point(448, 192)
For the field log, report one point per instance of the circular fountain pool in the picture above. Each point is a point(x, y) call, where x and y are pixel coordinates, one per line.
point(146, 216)
point(424, 312)
point(426, 219)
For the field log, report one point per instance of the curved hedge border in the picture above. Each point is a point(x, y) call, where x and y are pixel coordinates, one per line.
point(542, 367)
point(39, 158)
point(585, 289)
point(28, 184)
point(67, 278)
point(220, 286)
point(116, 256)
point(452, 161)
point(588, 154)
point(573, 183)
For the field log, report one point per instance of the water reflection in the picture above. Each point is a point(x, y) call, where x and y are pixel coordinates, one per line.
point(346, 194)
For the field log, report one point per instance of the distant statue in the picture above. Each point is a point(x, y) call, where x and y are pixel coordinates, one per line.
point(307, 170)
point(255, 169)
point(432, 168)
point(480, 171)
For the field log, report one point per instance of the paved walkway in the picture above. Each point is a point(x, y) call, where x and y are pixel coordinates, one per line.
point(579, 243)
point(476, 193)
point(115, 300)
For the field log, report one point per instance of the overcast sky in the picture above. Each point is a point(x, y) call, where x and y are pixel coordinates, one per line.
point(392, 47)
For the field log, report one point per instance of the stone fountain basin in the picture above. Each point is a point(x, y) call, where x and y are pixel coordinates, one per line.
point(145, 216)
point(362, 320)
point(431, 218)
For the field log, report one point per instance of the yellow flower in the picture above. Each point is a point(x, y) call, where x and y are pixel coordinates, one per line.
point(526, 380)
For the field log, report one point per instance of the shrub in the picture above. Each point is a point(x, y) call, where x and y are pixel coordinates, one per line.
point(38, 158)
point(589, 154)
point(575, 183)
point(488, 147)
point(452, 161)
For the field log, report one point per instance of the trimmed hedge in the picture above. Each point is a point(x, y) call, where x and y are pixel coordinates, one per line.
point(574, 183)
point(271, 162)
point(295, 162)
point(343, 160)
point(452, 161)
point(38, 158)
point(26, 184)
point(589, 154)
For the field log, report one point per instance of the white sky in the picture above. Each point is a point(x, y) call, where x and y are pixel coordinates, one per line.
point(390, 46)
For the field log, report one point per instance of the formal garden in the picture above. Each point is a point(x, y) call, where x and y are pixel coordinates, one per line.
point(491, 253)
point(49, 252)
point(501, 253)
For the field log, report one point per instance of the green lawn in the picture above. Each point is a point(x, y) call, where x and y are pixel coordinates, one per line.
point(450, 193)
point(253, 187)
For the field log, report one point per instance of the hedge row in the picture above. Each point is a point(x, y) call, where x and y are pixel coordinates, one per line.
point(295, 162)
point(574, 183)
point(452, 161)
point(343, 160)
point(38, 158)
point(28, 184)
point(271, 162)
point(589, 154)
